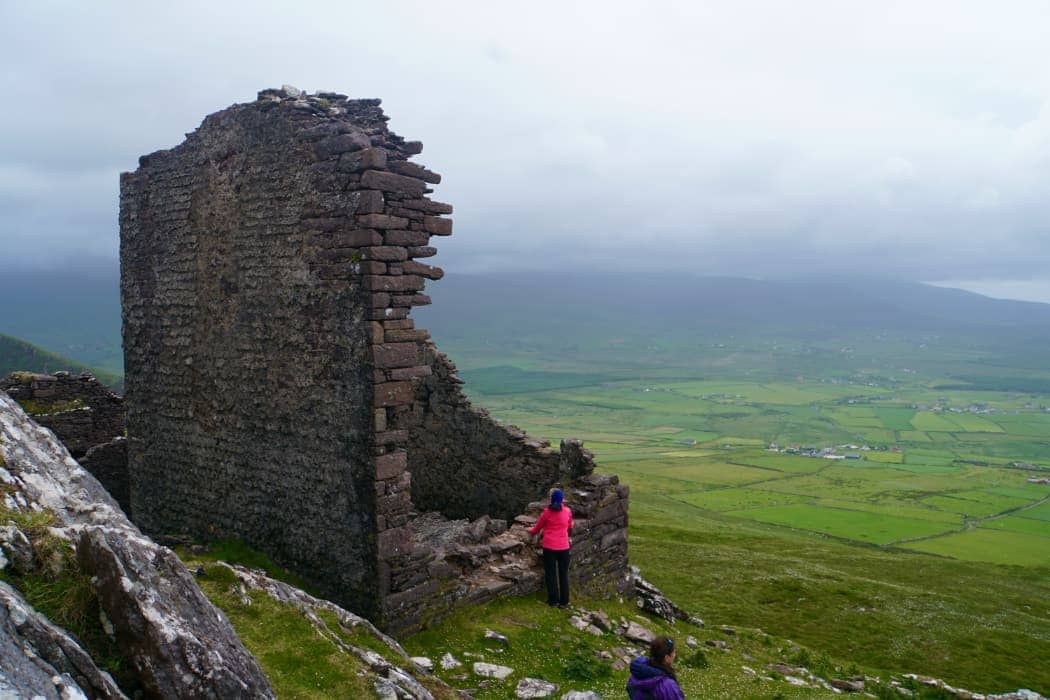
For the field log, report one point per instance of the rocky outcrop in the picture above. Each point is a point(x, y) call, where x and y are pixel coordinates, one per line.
point(84, 415)
point(40, 660)
point(178, 643)
point(650, 599)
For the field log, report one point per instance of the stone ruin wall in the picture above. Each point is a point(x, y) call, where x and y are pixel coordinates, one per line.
point(85, 415)
point(278, 391)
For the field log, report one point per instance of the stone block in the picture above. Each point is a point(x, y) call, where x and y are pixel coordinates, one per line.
point(376, 328)
point(410, 372)
point(394, 503)
point(390, 465)
point(437, 226)
point(392, 182)
point(410, 169)
point(390, 355)
point(397, 393)
point(406, 336)
point(613, 511)
point(386, 283)
point(423, 270)
point(411, 300)
point(341, 144)
point(386, 314)
point(383, 221)
point(369, 158)
point(379, 419)
point(393, 542)
point(391, 437)
point(408, 238)
point(371, 267)
point(386, 253)
point(614, 538)
point(427, 205)
point(405, 324)
point(354, 238)
point(368, 202)
point(422, 251)
point(412, 595)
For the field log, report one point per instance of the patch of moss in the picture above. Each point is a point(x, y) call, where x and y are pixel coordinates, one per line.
point(62, 592)
point(45, 408)
point(297, 659)
point(238, 552)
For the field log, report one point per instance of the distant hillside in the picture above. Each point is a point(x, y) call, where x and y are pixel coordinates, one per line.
point(725, 303)
point(682, 324)
point(596, 319)
point(71, 310)
point(17, 355)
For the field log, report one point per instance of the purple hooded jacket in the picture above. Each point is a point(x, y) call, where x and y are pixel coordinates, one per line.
point(650, 682)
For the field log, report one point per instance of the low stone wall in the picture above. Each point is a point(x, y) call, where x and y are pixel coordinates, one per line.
point(84, 415)
point(463, 562)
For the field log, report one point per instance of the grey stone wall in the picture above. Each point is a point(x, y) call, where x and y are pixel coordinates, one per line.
point(247, 363)
point(465, 464)
point(278, 391)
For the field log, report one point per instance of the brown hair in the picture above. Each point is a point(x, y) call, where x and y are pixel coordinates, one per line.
point(659, 649)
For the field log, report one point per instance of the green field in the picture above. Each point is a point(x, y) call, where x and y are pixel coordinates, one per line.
point(885, 558)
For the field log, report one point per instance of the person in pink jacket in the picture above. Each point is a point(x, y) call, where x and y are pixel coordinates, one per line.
point(556, 524)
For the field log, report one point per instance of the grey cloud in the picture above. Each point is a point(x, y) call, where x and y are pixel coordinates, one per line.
point(750, 139)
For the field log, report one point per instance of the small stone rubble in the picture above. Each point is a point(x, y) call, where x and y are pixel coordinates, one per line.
point(535, 688)
point(487, 670)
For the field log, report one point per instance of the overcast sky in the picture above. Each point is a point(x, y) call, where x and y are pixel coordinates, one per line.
point(733, 138)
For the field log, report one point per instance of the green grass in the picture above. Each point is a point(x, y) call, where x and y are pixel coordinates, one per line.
point(886, 561)
point(296, 658)
point(60, 590)
point(861, 526)
point(990, 545)
point(885, 610)
point(544, 645)
point(17, 355)
point(1018, 523)
point(737, 499)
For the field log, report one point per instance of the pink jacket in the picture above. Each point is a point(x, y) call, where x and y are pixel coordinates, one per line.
point(555, 525)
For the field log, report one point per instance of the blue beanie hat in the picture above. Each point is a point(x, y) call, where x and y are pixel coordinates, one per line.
point(556, 498)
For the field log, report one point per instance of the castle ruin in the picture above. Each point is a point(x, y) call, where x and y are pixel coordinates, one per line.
point(278, 392)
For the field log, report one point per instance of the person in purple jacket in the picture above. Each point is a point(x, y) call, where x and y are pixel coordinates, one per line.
point(652, 677)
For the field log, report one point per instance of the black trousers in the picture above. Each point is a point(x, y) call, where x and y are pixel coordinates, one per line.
point(556, 573)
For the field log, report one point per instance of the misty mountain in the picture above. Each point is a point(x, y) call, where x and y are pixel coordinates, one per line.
point(72, 311)
point(76, 312)
point(710, 304)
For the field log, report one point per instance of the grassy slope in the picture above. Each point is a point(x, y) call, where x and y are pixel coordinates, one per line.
point(975, 625)
point(17, 355)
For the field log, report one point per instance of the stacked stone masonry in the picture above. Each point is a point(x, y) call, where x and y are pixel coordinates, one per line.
point(84, 415)
point(278, 391)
